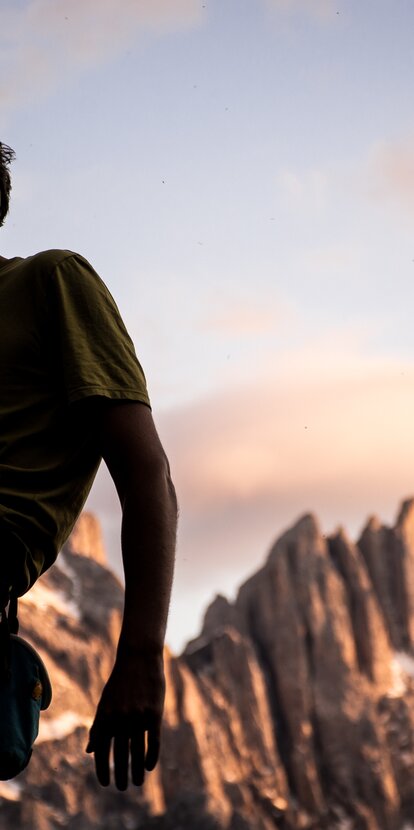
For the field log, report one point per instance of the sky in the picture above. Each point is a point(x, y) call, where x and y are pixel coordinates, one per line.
point(241, 175)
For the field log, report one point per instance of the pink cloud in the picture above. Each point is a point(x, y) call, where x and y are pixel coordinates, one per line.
point(391, 173)
point(244, 319)
point(325, 431)
point(48, 41)
point(293, 432)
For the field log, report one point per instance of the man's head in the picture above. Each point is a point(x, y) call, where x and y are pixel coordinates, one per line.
point(6, 156)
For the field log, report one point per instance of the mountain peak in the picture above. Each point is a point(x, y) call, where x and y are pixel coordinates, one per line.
point(406, 515)
point(86, 539)
point(291, 709)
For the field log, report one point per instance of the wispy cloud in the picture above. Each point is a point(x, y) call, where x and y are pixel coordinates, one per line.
point(328, 259)
point(246, 319)
point(45, 41)
point(301, 429)
point(306, 190)
point(390, 176)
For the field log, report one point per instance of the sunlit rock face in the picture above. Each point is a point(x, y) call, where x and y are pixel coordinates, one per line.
point(86, 538)
point(313, 616)
point(293, 708)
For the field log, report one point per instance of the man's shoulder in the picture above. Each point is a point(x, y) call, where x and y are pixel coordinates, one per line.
point(48, 260)
point(56, 263)
point(60, 271)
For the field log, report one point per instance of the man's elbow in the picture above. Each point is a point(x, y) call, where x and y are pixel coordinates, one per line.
point(164, 471)
point(172, 492)
point(152, 477)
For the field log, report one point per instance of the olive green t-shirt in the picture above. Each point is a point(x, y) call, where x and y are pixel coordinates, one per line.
point(62, 340)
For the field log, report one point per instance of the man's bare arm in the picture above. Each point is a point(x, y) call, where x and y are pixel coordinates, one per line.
point(132, 701)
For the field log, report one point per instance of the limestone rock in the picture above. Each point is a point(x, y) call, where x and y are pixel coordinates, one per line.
point(389, 556)
point(373, 647)
point(86, 538)
point(293, 708)
point(298, 611)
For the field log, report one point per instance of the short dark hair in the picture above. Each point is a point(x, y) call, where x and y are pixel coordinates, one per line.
point(6, 157)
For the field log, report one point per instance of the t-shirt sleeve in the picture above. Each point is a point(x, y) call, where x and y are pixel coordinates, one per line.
point(96, 351)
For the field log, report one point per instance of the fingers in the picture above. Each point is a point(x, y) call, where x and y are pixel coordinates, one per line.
point(100, 738)
point(121, 760)
point(102, 747)
point(128, 736)
point(138, 757)
point(153, 746)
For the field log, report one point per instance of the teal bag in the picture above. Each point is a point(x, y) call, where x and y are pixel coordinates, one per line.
point(25, 690)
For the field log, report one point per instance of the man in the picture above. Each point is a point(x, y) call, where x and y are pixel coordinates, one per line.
point(72, 392)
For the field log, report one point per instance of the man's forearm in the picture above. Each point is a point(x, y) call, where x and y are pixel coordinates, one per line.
point(149, 524)
point(129, 714)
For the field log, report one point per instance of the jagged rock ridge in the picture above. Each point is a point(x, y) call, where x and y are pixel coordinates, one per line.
point(292, 709)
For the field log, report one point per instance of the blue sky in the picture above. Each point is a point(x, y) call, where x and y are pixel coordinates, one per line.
point(241, 174)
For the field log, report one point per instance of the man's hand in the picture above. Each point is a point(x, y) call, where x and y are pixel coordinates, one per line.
point(128, 718)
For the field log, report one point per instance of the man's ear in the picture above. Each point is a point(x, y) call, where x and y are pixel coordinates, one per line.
point(7, 155)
